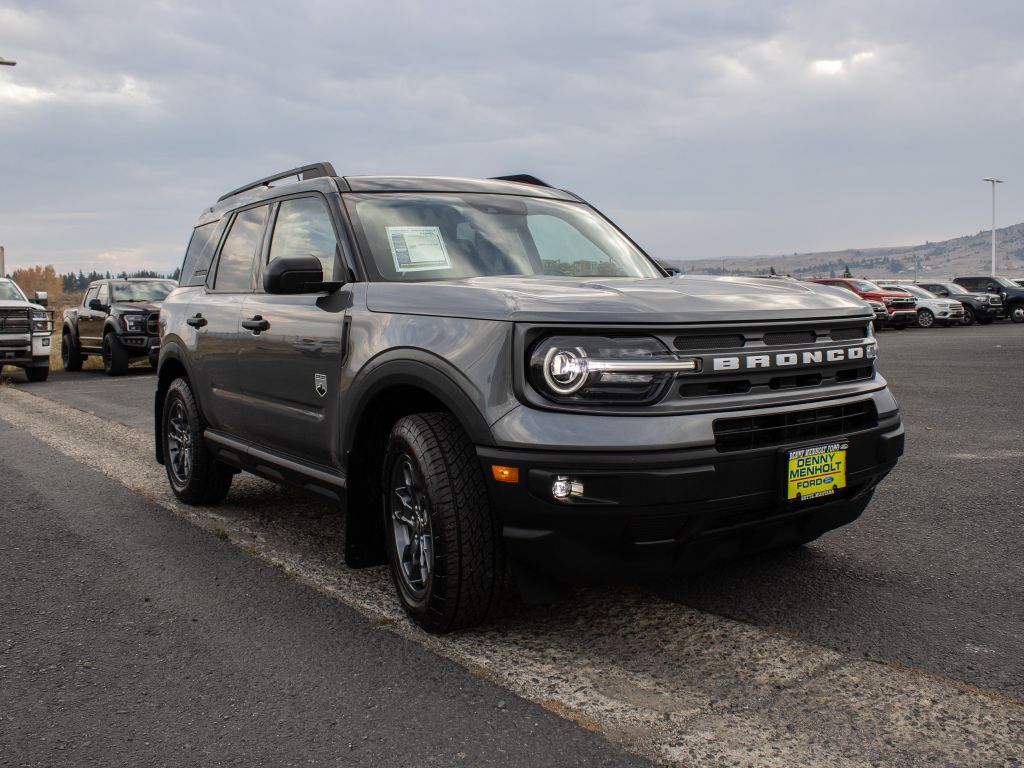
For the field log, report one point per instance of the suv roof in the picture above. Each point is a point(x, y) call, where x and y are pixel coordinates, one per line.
point(323, 178)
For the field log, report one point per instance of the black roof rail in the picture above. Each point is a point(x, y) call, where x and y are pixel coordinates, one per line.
point(311, 171)
point(523, 178)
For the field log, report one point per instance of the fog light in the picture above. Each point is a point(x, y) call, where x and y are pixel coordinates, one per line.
point(565, 488)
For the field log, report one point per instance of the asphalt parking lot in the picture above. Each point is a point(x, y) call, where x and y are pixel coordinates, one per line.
point(924, 593)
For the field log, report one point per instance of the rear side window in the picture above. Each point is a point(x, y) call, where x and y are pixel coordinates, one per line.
point(199, 255)
point(234, 270)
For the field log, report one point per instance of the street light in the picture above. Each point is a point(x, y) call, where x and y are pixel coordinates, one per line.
point(994, 181)
point(6, 62)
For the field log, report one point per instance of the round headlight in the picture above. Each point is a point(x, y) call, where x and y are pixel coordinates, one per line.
point(565, 370)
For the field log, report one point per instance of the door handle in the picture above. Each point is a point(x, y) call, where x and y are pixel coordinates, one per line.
point(196, 322)
point(256, 324)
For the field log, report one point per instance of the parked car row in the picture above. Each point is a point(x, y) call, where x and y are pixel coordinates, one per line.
point(960, 301)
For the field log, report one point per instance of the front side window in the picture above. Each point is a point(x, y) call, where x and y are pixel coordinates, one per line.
point(304, 228)
point(104, 295)
point(234, 270)
point(417, 237)
point(10, 292)
point(148, 290)
point(90, 295)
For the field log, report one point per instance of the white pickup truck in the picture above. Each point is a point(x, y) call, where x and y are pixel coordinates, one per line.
point(25, 331)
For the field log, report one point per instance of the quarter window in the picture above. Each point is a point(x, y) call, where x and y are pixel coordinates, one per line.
point(199, 255)
point(304, 228)
point(234, 270)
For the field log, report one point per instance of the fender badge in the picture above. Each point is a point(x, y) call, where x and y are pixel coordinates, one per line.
point(320, 383)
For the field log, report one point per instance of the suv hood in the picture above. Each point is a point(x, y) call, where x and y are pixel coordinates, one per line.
point(687, 299)
point(12, 304)
point(136, 306)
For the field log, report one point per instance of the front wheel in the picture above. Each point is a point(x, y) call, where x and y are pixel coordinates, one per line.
point(443, 543)
point(115, 356)
point(1017, 313)
point(37, 374)
point(196, 477)
point(70, 354)
point(925, 318)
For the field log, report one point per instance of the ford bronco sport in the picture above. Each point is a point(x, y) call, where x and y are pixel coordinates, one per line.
point(488, 371)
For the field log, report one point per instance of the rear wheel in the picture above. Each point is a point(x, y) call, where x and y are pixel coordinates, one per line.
point(925, 318)
point(969, 316)
point(115, 356)
point(70, 354)
point(196, 477)
point(37, 374)
point(443, 543)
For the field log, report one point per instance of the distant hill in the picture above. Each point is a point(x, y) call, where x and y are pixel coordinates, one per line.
point(963, 255)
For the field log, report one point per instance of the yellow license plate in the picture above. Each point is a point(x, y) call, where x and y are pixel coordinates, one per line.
point(816, 472)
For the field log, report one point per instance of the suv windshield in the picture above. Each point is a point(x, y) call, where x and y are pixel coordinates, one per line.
point(10, 292)
point(155, 290)
point(416, 237)
point(866, 286)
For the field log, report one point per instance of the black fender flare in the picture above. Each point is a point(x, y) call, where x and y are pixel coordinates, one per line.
point(421, 369)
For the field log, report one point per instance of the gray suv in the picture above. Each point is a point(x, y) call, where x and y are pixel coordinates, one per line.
point(493, 379)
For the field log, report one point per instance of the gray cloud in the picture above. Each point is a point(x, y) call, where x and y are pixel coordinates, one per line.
point(706, 129)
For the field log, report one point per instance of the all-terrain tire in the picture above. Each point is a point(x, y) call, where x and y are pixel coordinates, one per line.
point(40, 373)
point(204, 481)
point(70, 354)
point(115, 356)
point(466, 575)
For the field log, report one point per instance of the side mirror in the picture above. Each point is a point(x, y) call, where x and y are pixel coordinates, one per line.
point(96, 304)
point(41, 298)
point(295, 274)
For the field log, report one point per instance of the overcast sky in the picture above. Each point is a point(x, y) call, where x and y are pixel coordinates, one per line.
point(706, 129)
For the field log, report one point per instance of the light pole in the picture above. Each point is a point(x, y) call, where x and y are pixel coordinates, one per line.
point(993, 181)
point(4, 63)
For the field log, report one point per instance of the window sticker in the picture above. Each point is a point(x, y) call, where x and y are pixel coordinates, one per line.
point(418, 248)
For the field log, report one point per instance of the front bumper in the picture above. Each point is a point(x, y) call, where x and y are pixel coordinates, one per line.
point(899, 316)
point(989, 310)
point(140, 345)
point(650, 514)
point(25, 350)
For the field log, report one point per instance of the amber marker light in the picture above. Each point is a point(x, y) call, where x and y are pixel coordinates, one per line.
point(505, 474)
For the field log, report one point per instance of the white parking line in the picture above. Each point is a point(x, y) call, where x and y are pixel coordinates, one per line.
point(668, 682)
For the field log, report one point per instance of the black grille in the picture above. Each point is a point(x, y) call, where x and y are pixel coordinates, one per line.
point(904, 303)
point(717, 341)
point(845, 334)
point(790, 337)
point(742, 434)
point(13, 343)
point(14, 321)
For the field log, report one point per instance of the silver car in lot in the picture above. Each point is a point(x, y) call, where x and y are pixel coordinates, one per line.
point(931, 309)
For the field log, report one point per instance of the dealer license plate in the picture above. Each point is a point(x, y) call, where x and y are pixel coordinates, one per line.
point(816, 472)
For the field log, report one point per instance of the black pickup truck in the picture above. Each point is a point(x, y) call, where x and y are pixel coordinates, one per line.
point(117, 320)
